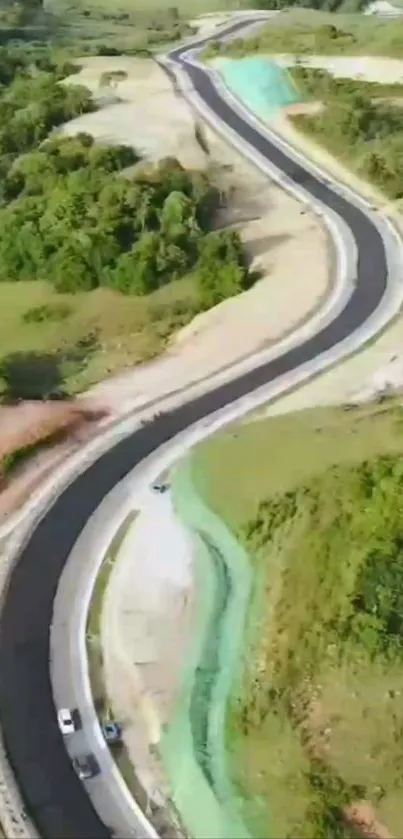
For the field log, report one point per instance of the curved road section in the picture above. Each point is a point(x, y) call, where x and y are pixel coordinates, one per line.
point(53, 795)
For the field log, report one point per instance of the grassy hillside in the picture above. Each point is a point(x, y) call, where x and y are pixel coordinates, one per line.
point(308, 32)
point(315, 732)
point(126, 26)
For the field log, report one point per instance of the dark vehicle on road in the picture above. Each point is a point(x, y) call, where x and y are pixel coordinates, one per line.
point(160, 488)
point(112, 732)
point(85, 766)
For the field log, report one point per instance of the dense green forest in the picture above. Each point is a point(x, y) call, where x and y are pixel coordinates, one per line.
point(96, 29)
point(67, 216)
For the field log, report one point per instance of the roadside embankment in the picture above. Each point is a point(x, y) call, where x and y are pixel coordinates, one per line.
point(207, 802)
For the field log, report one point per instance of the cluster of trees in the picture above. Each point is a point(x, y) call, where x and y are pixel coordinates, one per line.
point(68, 216)
point(30, 19)
point(32, 102)
point(355, 126)
point(20, 12)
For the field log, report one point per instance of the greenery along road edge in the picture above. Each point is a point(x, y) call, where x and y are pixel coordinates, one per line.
point(324, 677)
point(201, 788)
point(357, 121)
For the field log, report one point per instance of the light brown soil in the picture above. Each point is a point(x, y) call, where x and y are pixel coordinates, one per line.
point(28, 422)
point(70, 423)
point(362, 817)
point(309, 108)
point(317, 733)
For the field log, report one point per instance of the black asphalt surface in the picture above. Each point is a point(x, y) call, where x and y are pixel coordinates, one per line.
point(53, 795)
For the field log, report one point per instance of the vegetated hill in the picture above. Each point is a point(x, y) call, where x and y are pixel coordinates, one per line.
point(360, 123)
point(73, 220)
point(315, 732)
point(310, 32)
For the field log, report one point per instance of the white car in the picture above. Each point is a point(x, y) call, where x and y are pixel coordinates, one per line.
point(65, 720)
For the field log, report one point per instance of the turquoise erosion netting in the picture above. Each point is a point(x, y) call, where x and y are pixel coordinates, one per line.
point(262, 85)
point(193, 744)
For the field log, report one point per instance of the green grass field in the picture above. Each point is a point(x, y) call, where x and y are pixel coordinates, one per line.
point(120, 331)
point(236, 469)
point(316, 725)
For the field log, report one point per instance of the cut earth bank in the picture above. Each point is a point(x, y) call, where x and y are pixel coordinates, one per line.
point(279, 237)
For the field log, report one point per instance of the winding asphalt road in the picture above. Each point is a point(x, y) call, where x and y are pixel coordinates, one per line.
point(53, 795)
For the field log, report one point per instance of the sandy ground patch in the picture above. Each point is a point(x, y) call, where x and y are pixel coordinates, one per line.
point(310, 108)
point(362, 817)
point(377, 369)
point(148, 115)
point(146, 621)
point(65, 424)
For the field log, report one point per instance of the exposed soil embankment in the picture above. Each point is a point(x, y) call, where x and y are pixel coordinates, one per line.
point(35, 437)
